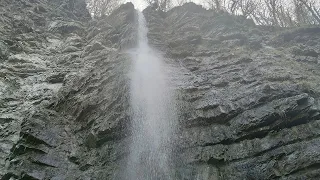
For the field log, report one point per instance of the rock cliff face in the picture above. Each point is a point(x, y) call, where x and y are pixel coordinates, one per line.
point(248, 96)
point(250, 104)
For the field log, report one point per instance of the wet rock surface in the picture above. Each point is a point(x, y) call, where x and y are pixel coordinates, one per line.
point(251, 104)
point(64, 89)
point(248, 95)
point(35, 139)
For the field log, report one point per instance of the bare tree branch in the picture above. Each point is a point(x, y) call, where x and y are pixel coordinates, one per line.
point(99, 8)
point(310, 6)
point(163, 5)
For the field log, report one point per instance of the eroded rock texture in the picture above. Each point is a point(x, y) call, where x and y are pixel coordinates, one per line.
point(248, 96)
point(33, 38)
point(251, 102)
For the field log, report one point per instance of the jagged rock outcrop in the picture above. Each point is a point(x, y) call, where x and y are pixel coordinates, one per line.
point(251, 102)
point(248, 96)
point(34, 35)
point(65, 89)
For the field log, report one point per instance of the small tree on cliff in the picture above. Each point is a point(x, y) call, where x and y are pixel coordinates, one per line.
point(271, 12)
point(310, 10)
point(163, 5)
point(181, 2)
point(216, 5)
point(100, 8)
point(244, 7)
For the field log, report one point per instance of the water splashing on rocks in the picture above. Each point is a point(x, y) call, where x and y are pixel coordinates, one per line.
point(153, 113)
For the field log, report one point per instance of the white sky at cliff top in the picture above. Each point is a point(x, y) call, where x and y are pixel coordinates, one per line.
point(141, 4)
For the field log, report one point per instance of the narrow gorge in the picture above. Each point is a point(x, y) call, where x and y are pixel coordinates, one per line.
point(187, 94)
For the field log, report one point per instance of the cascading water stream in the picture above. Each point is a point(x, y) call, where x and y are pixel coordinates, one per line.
point(153, 114)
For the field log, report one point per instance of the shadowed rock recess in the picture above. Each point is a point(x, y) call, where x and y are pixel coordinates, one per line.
point(248, 96)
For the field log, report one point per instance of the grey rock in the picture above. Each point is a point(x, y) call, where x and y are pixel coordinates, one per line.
point(94, 47)
point(34, 175)
point(3, 50)
point(248, 98)
point(63, 27)
point(70, 49)
point(56, 78)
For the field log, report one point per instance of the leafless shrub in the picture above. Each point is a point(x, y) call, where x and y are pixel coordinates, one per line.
point(272, 12)
point(310, 11)
point(216, 4)
point(163, 5)
point(100, 8)
point(264, 12)
point(180, 2)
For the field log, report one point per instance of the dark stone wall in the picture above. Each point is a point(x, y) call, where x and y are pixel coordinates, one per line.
point(248, 96)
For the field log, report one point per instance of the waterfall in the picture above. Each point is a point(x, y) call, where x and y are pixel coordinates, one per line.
point(153, 113)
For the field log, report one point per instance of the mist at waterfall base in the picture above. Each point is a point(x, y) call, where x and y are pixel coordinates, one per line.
point(153, 114)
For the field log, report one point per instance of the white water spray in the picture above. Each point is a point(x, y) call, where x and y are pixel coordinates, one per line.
point(153, 118)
